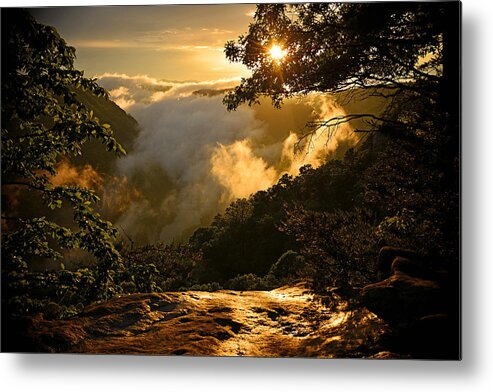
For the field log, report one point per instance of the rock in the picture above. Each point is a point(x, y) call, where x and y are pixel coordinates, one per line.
point(412, 267)
point(346, 292)
point(387, 256)
point(289, 321)
point(416, 302)
point(389, 355)
point(402, 298)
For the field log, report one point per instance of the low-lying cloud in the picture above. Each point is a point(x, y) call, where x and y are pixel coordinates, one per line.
point(68, 174)
point(192, 158)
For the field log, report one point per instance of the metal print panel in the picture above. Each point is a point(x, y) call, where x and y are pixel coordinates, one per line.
point(272, 180)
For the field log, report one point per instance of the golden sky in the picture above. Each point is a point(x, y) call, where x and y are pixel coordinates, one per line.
point(172, 42)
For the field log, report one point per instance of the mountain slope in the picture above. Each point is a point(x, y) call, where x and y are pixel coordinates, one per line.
point(124, 126)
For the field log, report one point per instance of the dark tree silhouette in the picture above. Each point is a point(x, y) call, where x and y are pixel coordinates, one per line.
point(367, 49)
point(42, 123)
point(407, 52)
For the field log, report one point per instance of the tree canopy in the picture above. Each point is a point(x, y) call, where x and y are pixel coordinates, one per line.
point(379, 48)
point(43, 122)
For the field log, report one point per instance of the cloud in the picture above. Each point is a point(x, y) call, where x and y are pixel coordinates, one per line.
point(142, 89)
point(186, 38)
point(104, 44)
point(192, 158)
point(240, 171)
point(68, 174)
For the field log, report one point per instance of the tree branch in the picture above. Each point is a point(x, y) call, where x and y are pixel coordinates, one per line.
point(334, 122)
point(26, 184)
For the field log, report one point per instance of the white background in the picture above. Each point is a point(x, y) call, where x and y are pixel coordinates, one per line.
point(474, 373)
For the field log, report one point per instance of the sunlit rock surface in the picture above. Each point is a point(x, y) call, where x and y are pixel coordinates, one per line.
point(286, 322)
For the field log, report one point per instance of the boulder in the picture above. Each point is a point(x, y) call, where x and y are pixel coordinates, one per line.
point(414, 300)
point(386, 257)
point(402, 298)
point(411, 267)
point(389, 355)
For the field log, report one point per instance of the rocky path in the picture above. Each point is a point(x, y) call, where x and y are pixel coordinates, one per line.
point(286, 322)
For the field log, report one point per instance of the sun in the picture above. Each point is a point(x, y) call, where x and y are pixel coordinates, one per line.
point(277, 53)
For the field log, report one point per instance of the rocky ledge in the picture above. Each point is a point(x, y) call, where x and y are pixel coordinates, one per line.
point(287, 322)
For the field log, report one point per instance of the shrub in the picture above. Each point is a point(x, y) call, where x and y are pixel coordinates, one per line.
point(340, 247)
point(213, 286)
point(251, 282)
point(288, 267)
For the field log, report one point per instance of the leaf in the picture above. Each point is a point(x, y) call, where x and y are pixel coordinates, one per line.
point(41, 85)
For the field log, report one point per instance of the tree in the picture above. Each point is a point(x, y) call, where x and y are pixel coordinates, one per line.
point(406, 52)
point(42, 123)
point(339, 246)
point(363, 49)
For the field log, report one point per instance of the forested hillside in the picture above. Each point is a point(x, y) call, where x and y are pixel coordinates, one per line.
point(338, 216)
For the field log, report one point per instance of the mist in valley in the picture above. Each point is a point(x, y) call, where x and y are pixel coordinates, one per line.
point(191, 157)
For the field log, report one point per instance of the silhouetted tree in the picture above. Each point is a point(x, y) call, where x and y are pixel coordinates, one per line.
point(361, 49)
point(42, 123)
point(335, 46)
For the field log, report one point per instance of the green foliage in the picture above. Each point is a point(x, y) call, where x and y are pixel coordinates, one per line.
point(399, 186)
point(161, 267)
point(340, 246)
point(43, 122)
point(246, 238)
point(242, 240)
point(339, 215)
point(142, 278)
point(57, 294)
point(289, 266)
point(125, 130)
point(252, 282)
point(64, 293)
